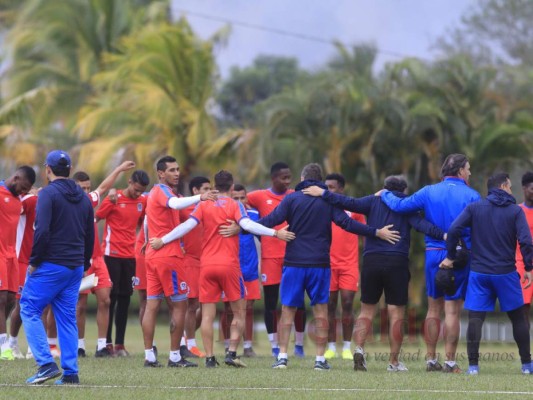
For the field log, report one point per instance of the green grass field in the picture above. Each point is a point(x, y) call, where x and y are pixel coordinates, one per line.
point(126, 378)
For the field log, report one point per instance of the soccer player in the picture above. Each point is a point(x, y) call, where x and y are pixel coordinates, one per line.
point(497, 223)
point(122, 218)
point(344, 257)
point(62, 249)
point(103, 289)
point(306, 267)
point(220, 271)
point(165, 270)
point(24, 244)
point(248, 261)
point(192, 244)
point(10, 208)
point(385, 266)
point(441, 203)
point(527, 207)
point(272, 253)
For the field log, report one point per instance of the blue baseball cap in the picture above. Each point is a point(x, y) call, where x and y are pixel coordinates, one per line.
point(58, 158)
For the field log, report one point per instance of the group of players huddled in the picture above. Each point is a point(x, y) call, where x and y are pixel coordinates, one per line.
point(217, 244)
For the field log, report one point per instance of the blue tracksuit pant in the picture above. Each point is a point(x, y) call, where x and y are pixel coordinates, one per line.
point(59, 286)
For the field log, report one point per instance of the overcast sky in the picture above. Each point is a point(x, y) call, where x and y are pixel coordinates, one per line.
point(402, 27)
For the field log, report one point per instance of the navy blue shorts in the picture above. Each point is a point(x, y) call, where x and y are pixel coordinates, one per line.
point(484, 289)
point(433, 260)
point(296, 281)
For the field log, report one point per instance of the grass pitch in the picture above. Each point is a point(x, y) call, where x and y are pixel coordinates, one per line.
point(126, 378)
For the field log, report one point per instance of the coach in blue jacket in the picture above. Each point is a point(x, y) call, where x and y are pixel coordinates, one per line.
point(63, 246)
point(497, 223)
point(306, 266)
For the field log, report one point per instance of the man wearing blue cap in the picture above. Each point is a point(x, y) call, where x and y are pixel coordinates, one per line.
point(62, 248)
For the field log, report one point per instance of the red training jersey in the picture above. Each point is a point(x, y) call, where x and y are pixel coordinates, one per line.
point(10, 210)
point(26, 228)
point(161, 220)
point(95, 201)
point(192, 241)
point(121, 222)
point(265, 201)
point(216, 249)
point(529, 217)
point(344, 250)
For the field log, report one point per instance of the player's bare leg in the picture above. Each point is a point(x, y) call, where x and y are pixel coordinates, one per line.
point(432, 326)
point(285, 327)
point(102, 319)
point(396, 325)
point(332, 321)
point(452, 311)
point(81, 311)
point(209, 311)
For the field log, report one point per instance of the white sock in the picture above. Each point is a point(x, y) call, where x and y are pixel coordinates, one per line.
point(331, 346)
point(101, 343)
point(247, 344)
point(359, 349)
point(13, 341)
point(299, 338)
point(4, 345)
point(272, 337)
point(191, 343)
point(175, 356)
point(183, 341)
point(52, 341)
point(432, 361)
point(282, 355)
point(346, 345)
point(451, 363)
point(320, 358)
point(153, 343)
point(81, 344)
point(149, 355)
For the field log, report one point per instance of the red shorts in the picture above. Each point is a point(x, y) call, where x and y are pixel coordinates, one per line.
point(166, 277)
point(192, 266)
point(221, 282)
point(23, 270)
point(99, 269)
point(271, 271)
point(344, 278)
point(139, 280)
point(526, 292)
point(253, 292)
point(9, 274)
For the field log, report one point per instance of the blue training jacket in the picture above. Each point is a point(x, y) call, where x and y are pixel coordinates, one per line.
point(378, 214)
point(441, 203)
point(248, 252)
point(496, 223)
point(310, 219)
point(64, 226)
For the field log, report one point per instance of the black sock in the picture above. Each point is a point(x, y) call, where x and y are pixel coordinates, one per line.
point(271, 293)
point(112, 304)
point(121, 319)
point(521, 333)
point(473, 335)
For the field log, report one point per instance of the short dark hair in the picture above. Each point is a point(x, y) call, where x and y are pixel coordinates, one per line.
point(395, 183)
point(162, 163)
point(197, 182)
point(496, 180)
point(223, 180)
point(336, 177)
point(277, 167)
point(141, 177)
point(80, 176)
point(28, 172)
point(527, 178)
point(238, 187)
point(312, 171)
point(452, 164)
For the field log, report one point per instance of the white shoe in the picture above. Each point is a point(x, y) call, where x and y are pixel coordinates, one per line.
point(29, 355)
point(397, 368)
point(16, 352)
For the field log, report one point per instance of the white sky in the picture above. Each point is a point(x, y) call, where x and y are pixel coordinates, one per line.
point(405, 27)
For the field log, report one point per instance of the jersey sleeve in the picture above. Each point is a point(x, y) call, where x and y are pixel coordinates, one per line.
point(239, 212)
point(198, 213)
point(409, 204)
point(94, 197)
point(104, 209)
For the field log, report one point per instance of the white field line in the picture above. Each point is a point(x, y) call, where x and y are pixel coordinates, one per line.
point(258, 389)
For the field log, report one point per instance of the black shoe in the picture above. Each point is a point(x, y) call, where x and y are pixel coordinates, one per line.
point(183, 363)
point(280, 364)
point(104, 352)
point(81, 353)
point(186, 353)
point(152, 364)
point(233, 361)
point(322, 366)
point(68, 380)
point(211, 362)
